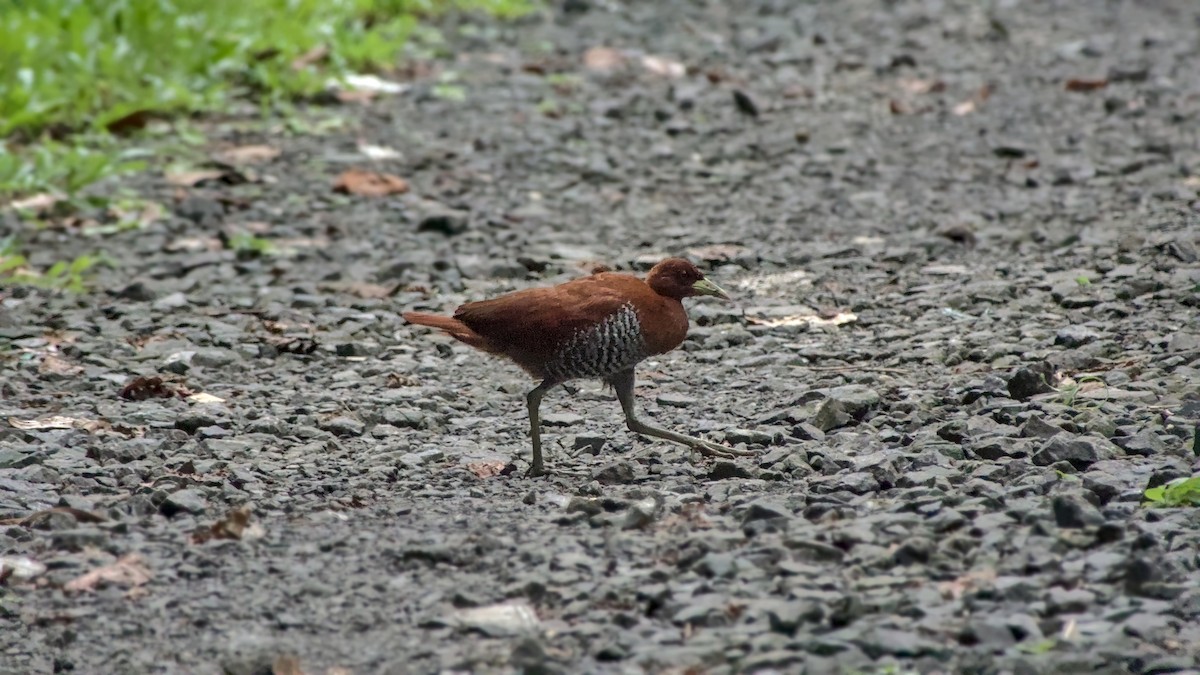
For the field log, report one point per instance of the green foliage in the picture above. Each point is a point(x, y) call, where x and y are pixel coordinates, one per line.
point(1179, 492)
point(67, 167)
point(68, 276)
point(249, 246)
point(89, 63)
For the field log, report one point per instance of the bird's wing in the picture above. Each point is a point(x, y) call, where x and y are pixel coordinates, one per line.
point(538, 321)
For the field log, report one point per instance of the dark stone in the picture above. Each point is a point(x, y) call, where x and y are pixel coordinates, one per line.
point(1073, 511)
point(1081, 452)
point(724, 469)
point(1031, 380)
point(617, 473)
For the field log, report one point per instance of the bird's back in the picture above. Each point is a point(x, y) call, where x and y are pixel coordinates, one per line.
point(591, 327)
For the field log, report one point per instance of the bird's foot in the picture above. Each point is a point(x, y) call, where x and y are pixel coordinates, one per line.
point(710, 449)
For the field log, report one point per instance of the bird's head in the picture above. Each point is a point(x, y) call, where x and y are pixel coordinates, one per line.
point(678, 278)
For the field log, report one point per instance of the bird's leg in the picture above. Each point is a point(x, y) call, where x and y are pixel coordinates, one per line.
point(623, 384)
point(534, 399)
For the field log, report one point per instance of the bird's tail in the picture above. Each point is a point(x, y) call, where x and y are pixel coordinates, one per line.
point(453, 327)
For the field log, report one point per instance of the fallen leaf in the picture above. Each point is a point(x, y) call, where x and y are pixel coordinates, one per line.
point(194, 244)
point(286, 665)
point(246, 154)
point(55, 422)
point(310, 57)
point(235, 525)
point(898, 107)
point(292, 344)
point(396, 380)
point(366, 84)
point(923, 86)
point(192, 178)
point(369, 183)
point(138, 119)
point(603, 59)
point(378, 152)
point(38, 203)
point(126, 571)
point(965, 108)
point(664, 67)
point(52, 365)
point(487, 469)
point(1084, 84)
point(204, 398)
point(142, 388)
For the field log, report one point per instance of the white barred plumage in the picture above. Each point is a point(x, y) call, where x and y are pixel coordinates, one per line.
point(611, 346)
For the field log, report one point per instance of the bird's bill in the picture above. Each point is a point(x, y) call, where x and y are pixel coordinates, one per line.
point(706, 287)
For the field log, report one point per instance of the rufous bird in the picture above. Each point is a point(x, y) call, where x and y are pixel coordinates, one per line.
point(600, 326)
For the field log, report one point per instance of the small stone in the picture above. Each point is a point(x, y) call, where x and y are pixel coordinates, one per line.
point(138, 291)
point(717, 565)
point(1036, 427)
point(593, 444)
point(1031, 381)
point(788, 615)
point(764, 509)
point(749, 436)
point(405, 418)
point(194, 419)
point(855, 399)
point(1144, 443)
point(675, 400)
point(170, 302)
point(446, 221)
point(343, 426)
point(830, 415)
point(1183, 341)
point(189, 500)
point(1075, 336)
point(617, 473)
point(745, 103)
point(423, 457)
point(1081, 452)
point(724, 469)
point(213, 358)
point(561, 419)
point(1074, 512)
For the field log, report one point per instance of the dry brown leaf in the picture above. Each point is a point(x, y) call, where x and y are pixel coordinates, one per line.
point(192, 178)
point(78, 514)
point(235, 525)
point(246, 154)
point(38, 203)
point(286, 665)
point(52, 365)
point(487, 469)
point(1085, 84)
point(134, 121)
point(370, 183)
point(603, 59)
point(923, 86)
point(126, 571)
point(142, 388)
point(396, 380)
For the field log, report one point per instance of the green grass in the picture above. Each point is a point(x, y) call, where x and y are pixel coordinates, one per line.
point(71, 66)
point(1179, 492)
point(63, 275)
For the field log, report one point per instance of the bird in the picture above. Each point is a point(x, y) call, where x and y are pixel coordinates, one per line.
point(596, 327)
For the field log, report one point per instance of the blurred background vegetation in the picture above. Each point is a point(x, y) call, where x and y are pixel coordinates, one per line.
point(73, 71)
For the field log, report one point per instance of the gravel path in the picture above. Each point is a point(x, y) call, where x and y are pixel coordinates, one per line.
point(965, 249)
